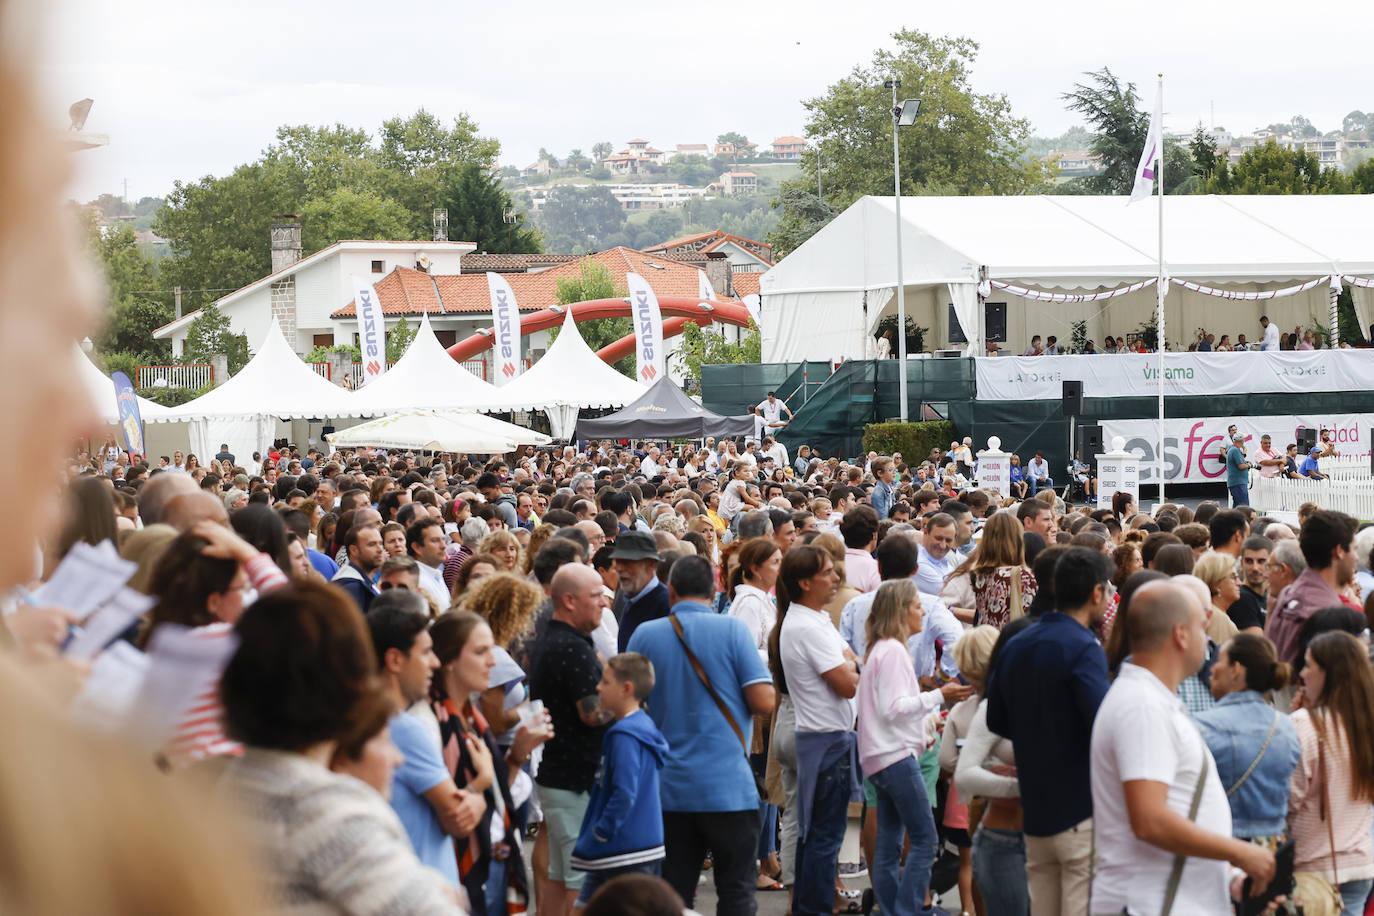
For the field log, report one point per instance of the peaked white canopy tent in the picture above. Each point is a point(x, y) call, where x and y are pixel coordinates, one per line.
point(568, 377)
point(102, 390)
point(438, 431)
point(424, 378)
point(825, 300)
point(275, 386)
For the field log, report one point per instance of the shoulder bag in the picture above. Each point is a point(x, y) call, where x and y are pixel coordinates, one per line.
point(706, 682)
point(1258, 757)
point(1176, 873)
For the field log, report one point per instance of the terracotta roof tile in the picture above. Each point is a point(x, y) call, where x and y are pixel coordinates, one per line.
point(412, 292)
point(520, 263)
point(745, 284)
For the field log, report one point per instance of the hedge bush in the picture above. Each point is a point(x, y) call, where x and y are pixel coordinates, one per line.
point(913, 440)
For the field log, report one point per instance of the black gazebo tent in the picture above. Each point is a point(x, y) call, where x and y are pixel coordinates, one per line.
point(664, 412)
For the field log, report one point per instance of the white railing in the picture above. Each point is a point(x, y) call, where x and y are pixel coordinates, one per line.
point(194, 376)
point(1279, 494)
point(320, 369)
point(1345, 467)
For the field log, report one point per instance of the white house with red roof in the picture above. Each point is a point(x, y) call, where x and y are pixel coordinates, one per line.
point(788, 149)
point(746, 256)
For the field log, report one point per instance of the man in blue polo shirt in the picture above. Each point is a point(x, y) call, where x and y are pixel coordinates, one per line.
point(707, 787)
point(1043, 696)
point(1309, 467)
point(1238, 471)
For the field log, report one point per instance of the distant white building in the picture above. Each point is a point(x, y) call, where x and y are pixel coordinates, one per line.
point(302, 293)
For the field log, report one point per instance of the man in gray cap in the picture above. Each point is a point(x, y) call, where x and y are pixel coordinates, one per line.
point(635, 555)
point(1238, 471)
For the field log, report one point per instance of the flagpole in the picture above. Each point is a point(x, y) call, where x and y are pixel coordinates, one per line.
point(1159, 283)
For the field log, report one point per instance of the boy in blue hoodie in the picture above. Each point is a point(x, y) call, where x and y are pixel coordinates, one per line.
point(622, 831)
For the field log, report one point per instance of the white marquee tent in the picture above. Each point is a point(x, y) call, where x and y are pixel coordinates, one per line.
point(276, 385)
point(569, 376)
point(825, 300)
point(424, 378)
point(102, 391)
point(438, 431)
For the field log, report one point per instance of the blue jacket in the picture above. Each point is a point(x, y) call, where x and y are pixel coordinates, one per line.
point(1234, 730)
point(624, 820)
point(882, 498)
point(650, 606)
point(1043, 697)
point(351, 580)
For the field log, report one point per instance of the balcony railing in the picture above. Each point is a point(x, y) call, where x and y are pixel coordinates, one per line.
point(194, 376)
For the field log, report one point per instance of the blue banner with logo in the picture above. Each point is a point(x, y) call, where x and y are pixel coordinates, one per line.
point(130, 423)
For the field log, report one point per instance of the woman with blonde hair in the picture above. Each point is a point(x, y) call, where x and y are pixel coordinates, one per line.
point(503, 545)
point(1329, 812)
point(892, 713)
point(508, 604)
point(972, 653)
point(538, 537)
point(994, 581)
point(1218, 572)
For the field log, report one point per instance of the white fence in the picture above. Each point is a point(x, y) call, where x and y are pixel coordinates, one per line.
point(194, 377)
point(1345, 467)
point(1277, 494)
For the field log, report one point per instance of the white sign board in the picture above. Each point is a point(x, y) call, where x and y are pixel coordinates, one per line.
point(1117, 473)
point(994, 472)
point(1031, 378)
point(1193, 446)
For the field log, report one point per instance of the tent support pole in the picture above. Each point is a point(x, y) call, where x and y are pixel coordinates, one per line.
point(901, 286)
point(1159, 298)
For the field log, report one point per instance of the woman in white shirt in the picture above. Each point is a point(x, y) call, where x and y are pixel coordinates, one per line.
point(757, 573)
point(892, 736)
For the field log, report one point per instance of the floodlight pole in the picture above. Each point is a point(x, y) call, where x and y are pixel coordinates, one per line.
point(894, 84)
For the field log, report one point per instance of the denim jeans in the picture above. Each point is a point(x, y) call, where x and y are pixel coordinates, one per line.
point(495, 888)
point(903, 810)
point(593, 880)
point(768, 830)
point(818, 854)
point(1240, 494)
point(999, 868)
point(1040, 483)
point(1354, 894)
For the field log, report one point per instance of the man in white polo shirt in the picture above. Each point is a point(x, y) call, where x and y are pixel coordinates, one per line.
point(770, 408)
point(1158, 805)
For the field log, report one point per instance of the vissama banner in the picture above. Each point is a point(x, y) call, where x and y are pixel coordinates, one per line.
point(130, 420)
point(371, 329)
point(648, 323)
point(1193, 447)
point(505, 318)
point(1031, 378)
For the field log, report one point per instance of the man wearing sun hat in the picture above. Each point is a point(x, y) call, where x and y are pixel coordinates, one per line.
point(1238, 471)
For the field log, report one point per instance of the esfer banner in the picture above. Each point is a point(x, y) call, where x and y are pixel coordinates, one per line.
point(1193, 447)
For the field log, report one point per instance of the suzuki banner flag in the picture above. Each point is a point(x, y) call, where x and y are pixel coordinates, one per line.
point(704, 288)
point(648, 321)
point(505, 328)
point(1194, 447)
point(130, 420)
point(371, 329)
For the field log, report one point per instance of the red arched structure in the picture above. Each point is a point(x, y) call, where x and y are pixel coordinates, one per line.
point(677, 311)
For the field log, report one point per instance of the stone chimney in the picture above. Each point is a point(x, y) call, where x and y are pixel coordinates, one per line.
point(718, 271)
point(286, 250)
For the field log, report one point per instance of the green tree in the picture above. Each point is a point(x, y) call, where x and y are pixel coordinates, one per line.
point(1204, 152)
point(1273, 169)
point(1355, 125)
point(210, 334)
point(962, 142)
point(135, 310)
point(1119, 127)
point(477, 205)
point(706, 347)
point(738, 141)
point(600, 151)
point(661, 226)
point(803, 215)
point(398, 339)
point(595, 282)
point(691, 170)
point(422, 143)
point(348, 213)
point(579, 220)
point(578, 162)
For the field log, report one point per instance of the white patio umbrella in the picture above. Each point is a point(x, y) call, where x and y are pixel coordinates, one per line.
point(439, 432)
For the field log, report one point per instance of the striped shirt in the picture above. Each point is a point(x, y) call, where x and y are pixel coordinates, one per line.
point(1350, 818)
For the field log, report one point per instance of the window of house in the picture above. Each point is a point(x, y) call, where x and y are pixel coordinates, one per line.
point(379, 267)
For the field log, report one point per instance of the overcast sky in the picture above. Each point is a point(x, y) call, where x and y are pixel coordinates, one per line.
point(193, 88)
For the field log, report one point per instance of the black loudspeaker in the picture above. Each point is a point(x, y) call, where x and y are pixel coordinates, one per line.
point(1073, 397)
point(326, 431)
point(1089, 441)
point(1307, 440)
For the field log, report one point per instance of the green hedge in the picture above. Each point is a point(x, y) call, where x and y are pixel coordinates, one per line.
point(913, 440)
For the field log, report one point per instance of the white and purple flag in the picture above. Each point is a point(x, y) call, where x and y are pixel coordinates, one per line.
point(1152, 156)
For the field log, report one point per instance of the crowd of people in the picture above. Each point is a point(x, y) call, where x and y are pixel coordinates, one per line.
point(487, 685)
point(1204, 341)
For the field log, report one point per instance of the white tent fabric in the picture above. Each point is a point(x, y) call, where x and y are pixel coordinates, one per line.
point(425, 378)
point(275, 383)
point(813, 300)
point(102, 391)
point(443, 432)
point(568, 376)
